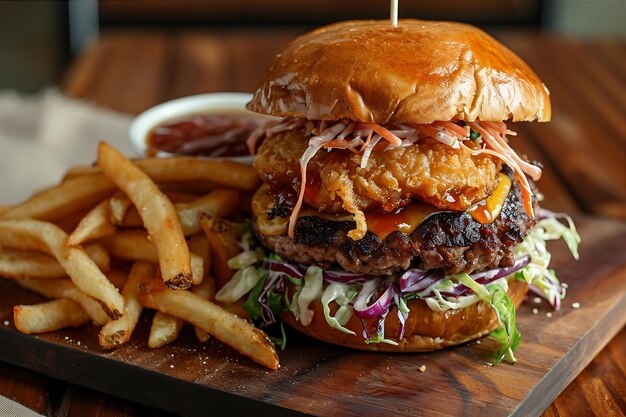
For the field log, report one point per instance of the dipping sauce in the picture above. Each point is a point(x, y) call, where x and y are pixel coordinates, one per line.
point(216, 135)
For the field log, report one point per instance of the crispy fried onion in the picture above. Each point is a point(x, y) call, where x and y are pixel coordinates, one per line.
point(363, 138)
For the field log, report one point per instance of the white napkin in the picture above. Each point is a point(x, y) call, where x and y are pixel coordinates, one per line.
point(9, 408)
point(42, 136)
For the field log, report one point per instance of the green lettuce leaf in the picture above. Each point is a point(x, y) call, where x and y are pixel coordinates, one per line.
point(252, 305)
point(507, 335)
point(342, 294)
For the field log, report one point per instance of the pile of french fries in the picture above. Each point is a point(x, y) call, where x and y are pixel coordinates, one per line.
point(121, 236)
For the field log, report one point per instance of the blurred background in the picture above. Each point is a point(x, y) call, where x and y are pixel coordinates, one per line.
point(38, 39)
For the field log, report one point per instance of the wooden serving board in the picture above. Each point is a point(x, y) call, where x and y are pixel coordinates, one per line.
point(189, 378)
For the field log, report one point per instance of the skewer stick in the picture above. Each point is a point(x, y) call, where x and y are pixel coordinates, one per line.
point(394, 13)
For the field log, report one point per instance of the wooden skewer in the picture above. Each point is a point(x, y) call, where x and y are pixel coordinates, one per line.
point(394, 13)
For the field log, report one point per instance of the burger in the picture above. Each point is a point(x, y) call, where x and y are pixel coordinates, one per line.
point(394, 215)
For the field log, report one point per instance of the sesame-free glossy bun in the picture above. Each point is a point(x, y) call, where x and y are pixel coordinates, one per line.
point(419, 72)
point(425, 329)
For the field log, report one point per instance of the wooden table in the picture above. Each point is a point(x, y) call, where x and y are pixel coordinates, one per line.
point(583, 151)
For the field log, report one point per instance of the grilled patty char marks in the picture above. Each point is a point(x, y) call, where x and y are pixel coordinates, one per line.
point(452, 241)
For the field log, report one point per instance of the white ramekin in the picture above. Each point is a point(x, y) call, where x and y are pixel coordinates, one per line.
point(201, 103)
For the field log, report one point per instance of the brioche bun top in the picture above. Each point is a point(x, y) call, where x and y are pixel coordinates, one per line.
point(418, 72)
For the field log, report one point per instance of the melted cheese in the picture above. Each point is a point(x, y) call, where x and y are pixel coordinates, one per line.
point(262, 203)
point(487, 211)
point(406, 219)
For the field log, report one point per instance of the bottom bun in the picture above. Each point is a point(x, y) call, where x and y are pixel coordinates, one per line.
point(425, 329)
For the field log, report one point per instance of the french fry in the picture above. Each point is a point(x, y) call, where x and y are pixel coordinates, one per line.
point(206, 290)
point(69, 223)
point(219, 203)
point(224, 240)
point(201, 335)
point(176, 196)
point(197, 188)
point(134, 245)
point(99, 255)
point(119, 206)
point(199, 244)
point(197, 269)
point(157, 212)
point(48, 316)
point(235, 308)
point(49, 238)
point(132, 219)
point(224, 326)
point(164, 330)
point(19, 264)
point(23, 264)
point(97, 223)
point(64, 199)
point(186, 170)
point(117, 332)
point(81, 171)
point(65, 288)
point(118, 277)
point(4, 209)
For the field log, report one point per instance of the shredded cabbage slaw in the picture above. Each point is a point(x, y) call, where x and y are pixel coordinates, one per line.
point(264, 277)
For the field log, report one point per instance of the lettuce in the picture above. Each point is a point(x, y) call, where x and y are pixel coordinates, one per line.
point(307, 293)
point(240, 284)
point(537, 274)
point(507, 334)
point(343, 295)
point(252, 304)
point(281, 341)
point(478, 289)
point(245, 258)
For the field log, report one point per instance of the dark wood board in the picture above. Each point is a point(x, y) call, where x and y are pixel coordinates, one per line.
point(188, 378)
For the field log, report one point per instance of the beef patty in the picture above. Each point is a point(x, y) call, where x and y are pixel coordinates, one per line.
point(452, 241)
